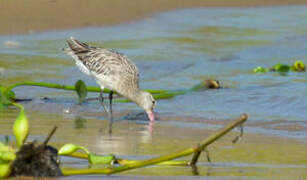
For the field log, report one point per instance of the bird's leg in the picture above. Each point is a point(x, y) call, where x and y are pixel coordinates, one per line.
point(111, 113)
point(101, 99)
point(111, 98)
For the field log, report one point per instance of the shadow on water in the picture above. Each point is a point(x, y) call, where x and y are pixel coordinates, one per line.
point(176, 50)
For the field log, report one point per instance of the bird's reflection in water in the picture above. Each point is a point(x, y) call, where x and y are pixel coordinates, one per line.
point(138, 117)
point(141, 117)
point(151, 127)
point(110, 126)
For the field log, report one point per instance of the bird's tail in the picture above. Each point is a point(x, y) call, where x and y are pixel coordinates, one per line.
point(76, 46)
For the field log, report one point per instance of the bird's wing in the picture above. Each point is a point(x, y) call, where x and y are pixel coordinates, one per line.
point(114, 68)
point(104, 64)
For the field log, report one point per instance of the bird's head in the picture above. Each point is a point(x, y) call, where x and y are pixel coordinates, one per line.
point(147, 102)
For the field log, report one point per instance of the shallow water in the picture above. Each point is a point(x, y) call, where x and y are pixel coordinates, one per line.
point(176, 50)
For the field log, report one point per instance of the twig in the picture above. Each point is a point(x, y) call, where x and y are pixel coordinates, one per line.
point(49, 136)
point(42, 146)
point(240, 135)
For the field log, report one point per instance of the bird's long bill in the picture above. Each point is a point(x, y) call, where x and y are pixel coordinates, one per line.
point(151, 115)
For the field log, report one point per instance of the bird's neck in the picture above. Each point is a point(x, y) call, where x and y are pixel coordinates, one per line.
point(136, 96)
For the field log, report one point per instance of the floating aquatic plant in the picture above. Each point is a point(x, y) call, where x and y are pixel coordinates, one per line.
point(260, 69)
point(7, 96)
point(280, 68)
point(207, 84)
point(297, 66)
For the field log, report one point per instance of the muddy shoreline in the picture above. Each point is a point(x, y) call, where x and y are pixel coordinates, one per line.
point(22, 17)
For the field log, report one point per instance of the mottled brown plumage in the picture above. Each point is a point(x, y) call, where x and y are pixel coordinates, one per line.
point(111, 70)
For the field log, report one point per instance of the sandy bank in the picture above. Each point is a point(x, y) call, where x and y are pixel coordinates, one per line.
point(23, 16)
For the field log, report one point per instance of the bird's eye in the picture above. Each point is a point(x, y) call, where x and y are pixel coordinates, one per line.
point(153, 102)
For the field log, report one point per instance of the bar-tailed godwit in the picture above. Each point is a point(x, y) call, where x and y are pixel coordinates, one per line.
point(111, 70)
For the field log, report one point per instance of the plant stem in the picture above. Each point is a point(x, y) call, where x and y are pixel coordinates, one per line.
point(217, 135)
point(22, 109)
point(165, 163)
point(157, 93)
point(166, 95)
point(127, 161)
point(167, 157)
point(72, 88)
point(76, 155)
point(53, 85)
point(129, 166)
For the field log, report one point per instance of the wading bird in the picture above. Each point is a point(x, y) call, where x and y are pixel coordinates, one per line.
point(111, 70)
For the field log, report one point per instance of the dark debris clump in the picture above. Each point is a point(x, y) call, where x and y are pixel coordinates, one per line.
point(36, 160)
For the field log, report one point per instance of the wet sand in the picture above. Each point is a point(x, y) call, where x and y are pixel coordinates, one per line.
point(20, 17)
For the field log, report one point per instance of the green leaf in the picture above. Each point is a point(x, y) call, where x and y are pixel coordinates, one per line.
point(81, 90)
point(68, 149)
point(299, 66)
point(21, 126)
point(260, 69)
point(101, 159)
point(5, 170)
point(4, 147)
point(7, 156)
point(281, 68)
